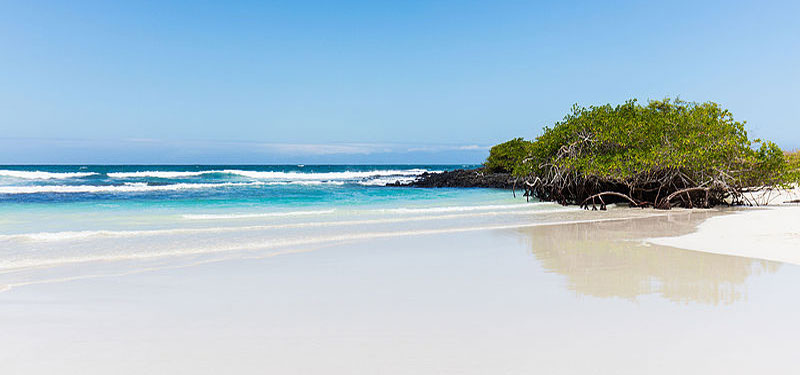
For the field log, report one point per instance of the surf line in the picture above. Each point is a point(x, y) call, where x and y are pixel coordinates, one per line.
point(77, 235)
point(307, 241)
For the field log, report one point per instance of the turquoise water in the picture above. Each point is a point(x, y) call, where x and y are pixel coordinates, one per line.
point(67, 222)
point(56, 198)
point(282, 185)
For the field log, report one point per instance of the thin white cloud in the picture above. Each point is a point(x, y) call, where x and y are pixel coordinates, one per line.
point(473, 147)
point(442, 148)
point(157, 150)
point(323, 149)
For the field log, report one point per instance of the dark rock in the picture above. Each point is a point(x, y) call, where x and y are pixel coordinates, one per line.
point(464, 178)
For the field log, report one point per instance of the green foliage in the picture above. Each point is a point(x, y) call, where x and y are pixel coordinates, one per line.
point(666, 144)
point(503, 158)
point(793, 161)
point(620, 143)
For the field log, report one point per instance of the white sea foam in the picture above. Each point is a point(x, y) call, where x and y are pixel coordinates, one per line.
point(40, 175)
point(421, 210)
point(305, 183)
point(135, 187)
point(66, 235)
point(80, 235)
point(255, 215)
point(348, 175)
point(157, 174)
point(126, 188)
point(274, 175)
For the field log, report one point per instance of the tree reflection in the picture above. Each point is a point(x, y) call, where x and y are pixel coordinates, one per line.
point(610, 259)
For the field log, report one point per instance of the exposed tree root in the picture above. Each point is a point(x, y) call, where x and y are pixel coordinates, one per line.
point(599, 196)
point(660, 190)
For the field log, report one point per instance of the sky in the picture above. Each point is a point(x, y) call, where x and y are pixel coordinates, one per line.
point(368, 81)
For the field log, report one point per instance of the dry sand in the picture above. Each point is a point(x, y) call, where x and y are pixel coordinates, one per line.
point(768, 232)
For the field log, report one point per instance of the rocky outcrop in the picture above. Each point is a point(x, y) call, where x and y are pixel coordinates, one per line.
point(465, 178)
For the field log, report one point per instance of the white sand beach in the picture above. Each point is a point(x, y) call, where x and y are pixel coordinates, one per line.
point(771, 231)
point(589, 297)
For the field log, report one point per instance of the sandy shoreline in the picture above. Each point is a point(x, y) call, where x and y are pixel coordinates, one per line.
point(566, 297)
point(771, 233)
point(563, 299)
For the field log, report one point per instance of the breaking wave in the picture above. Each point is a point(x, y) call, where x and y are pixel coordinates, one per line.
point(40, 175)
point(274, 175)
point(126, 188)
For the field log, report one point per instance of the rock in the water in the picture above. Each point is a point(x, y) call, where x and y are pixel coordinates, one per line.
point(462, 178)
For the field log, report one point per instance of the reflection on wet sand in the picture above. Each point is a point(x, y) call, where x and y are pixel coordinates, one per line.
point(609, 259)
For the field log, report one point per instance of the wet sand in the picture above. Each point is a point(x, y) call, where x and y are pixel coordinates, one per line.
point(565, 299)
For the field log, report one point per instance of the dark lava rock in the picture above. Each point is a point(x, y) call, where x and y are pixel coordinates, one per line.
point(465, 178)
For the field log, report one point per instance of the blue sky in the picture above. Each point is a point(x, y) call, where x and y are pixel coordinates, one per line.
point(389, 82)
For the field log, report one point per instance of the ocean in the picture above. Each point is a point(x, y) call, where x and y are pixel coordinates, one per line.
point(79, 221)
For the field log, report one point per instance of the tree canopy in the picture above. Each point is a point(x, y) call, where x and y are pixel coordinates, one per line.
point(663, 153)
point(505, 157)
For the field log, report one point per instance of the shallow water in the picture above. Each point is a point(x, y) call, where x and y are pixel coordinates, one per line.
point(63, 223)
